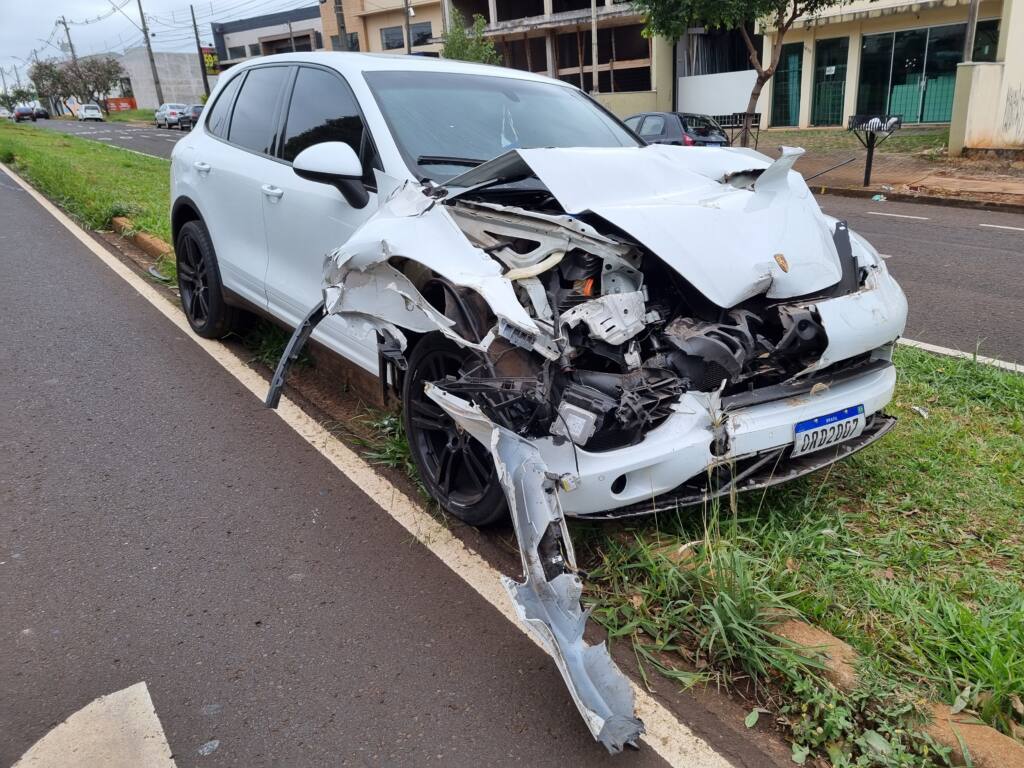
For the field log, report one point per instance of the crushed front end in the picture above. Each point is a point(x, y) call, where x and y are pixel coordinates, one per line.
point(691, 325)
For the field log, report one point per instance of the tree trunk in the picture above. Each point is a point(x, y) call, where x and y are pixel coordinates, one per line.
point(755, 94)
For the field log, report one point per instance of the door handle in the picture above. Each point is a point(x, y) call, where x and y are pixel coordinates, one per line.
point(272, 192)
point(202, 167)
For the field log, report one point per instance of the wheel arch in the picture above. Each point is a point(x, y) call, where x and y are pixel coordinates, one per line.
point(183, 211)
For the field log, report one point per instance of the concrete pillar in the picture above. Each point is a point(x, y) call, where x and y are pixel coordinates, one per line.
point(549, 49)
point(806, 82)
point(961, 103)
point(852, 77)
point(549, 7)
point(492, 11)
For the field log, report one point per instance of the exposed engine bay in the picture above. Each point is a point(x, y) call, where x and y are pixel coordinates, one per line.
point(619, 340)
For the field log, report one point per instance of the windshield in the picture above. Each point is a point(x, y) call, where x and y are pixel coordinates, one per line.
point(445, 123)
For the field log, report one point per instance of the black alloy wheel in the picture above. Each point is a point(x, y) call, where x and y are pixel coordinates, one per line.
point(199, 284)
point(456, 468)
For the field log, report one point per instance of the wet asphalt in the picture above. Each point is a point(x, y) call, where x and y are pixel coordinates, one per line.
point(158, 524)
point(961, 268)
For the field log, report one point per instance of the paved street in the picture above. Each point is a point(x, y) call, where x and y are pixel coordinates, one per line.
point(962, 270)
point(151, 140)
point(158, 524)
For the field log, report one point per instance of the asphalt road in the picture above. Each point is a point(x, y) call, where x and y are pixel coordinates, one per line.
point(150, 141)
point(158, 524)
point(962, 270)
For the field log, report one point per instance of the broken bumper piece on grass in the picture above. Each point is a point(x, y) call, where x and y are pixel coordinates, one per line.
point(548, 600)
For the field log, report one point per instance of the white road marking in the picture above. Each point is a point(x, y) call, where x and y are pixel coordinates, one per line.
point(671, 739)
point(897, 215)
point(995, 362)
point(1001, 226)
point(119, 730)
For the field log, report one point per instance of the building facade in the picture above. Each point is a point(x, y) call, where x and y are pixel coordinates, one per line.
point(378, 26)
point(181, 77)
point(297, 30)
point(875, 57)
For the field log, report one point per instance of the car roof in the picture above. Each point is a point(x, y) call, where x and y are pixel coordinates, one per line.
point(356, 63)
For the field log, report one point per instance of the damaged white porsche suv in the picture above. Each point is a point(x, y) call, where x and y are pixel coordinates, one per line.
point(579, 324)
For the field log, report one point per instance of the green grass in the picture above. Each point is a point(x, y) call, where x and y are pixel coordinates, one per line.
point(131, 116)
point(905, 141)
point(912, 551)
point(91, 181)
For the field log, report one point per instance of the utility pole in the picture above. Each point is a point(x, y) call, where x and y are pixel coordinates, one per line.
point(71, 46)
point(199, 50)
point(3, 79)
point(291, 37)
point(972, 25)
point(152, 60)
point(408, 40)
point(339, 17)
point(593, 47)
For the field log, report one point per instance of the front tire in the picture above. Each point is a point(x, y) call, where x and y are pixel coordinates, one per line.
point(202, 293)
point(456, 468)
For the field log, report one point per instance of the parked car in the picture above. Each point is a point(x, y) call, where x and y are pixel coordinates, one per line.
point(577, 324)
point(5, 113)
point(24, 113)
point(167, 115)
point(189, 117)
point(680, 128)
point(41, 113)
point(90, 112)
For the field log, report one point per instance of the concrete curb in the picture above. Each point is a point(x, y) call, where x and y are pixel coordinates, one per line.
point(904, 197)
point(152, 245)
point(985, 746)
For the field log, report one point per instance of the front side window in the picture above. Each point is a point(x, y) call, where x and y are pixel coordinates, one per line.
point(220, 112)
point(654, 125)
point(391, 38)
point(440, 117)
point(254, 120)
point(323, 108)
point(633, 122)
point(421, 33)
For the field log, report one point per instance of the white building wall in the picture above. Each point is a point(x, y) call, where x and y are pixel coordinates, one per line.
point(181, 78)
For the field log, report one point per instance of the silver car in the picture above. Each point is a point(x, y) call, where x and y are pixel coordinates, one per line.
point(168, 114)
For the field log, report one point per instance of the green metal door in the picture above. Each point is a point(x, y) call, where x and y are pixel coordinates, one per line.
point(786, 85)
point(830, 58)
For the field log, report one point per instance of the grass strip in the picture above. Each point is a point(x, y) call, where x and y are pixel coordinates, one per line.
point(91, 181)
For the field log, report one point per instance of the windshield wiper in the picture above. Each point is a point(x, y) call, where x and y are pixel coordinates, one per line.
point(446, 160)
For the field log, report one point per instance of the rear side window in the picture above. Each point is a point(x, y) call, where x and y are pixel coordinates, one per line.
point(254, 119)
point(217, 122)
point(633, 122)
point(323, 108)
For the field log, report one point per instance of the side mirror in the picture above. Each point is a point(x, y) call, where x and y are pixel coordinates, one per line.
point(334, 163)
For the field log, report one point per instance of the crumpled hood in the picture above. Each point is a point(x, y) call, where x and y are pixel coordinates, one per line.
point(725, 241)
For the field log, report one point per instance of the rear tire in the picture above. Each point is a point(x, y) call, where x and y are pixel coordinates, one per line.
point(457, 469)
point(202, 293)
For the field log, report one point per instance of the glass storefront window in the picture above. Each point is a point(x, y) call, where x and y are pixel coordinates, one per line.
point(912, 72)
point(829, 80)
point(786, 85)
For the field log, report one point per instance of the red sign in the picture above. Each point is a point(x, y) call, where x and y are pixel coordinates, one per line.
point(120, 104)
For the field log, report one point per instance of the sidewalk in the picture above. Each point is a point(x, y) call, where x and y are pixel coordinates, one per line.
point(926, 173)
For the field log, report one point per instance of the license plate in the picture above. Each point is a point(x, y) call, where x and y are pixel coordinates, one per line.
point(830, 429)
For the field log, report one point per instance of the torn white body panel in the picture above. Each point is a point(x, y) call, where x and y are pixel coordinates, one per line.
point(548, 600)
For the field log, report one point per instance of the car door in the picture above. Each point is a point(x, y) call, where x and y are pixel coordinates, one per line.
point(230, 165)
point(652, 129)
point(306, 220)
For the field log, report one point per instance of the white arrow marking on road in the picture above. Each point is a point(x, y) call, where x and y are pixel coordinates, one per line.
point(897, 215)
point(1001, 226)
point(119, 730)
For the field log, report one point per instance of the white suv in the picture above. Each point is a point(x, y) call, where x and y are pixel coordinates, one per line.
point(578, 323)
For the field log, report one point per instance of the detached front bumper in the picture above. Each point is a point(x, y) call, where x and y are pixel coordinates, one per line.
point(757, 438)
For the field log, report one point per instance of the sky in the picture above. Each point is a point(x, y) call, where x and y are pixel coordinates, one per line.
point(97, 28)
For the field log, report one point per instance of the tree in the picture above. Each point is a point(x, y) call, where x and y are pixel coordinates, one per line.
point(671, 18)
point(90, 79)
point(16, 97)
point(468, 44)
point(47, 77)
